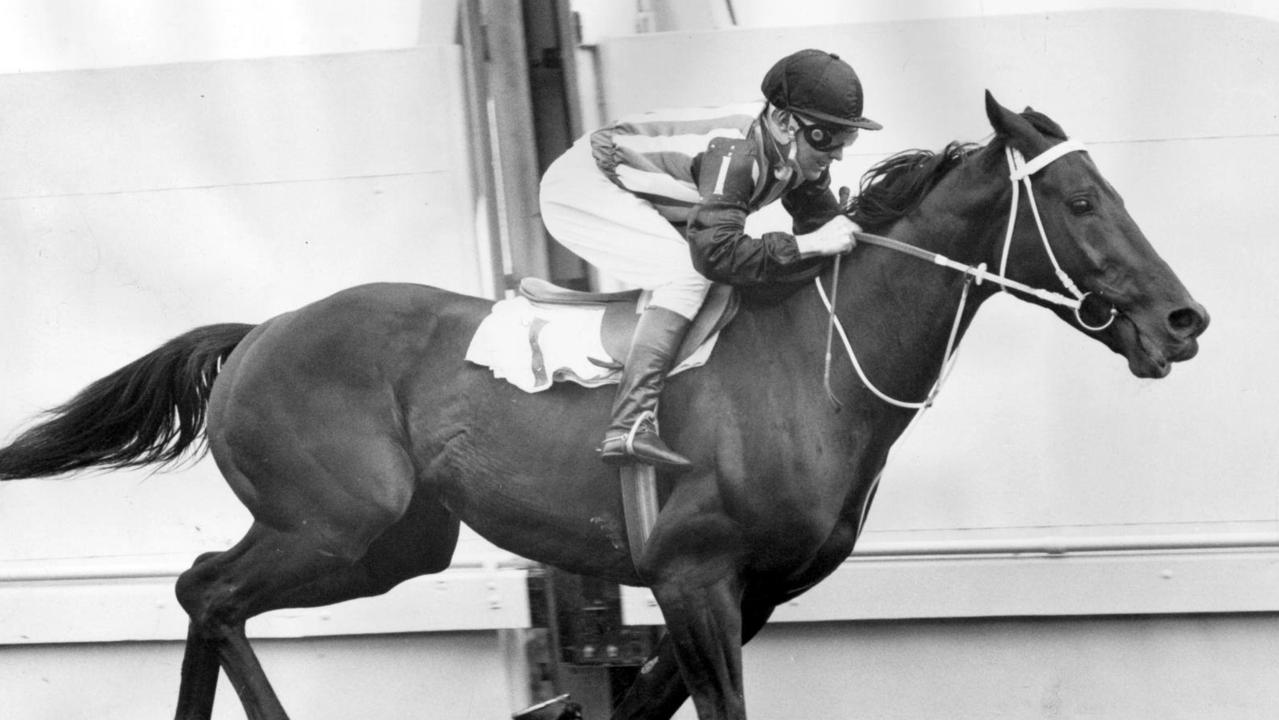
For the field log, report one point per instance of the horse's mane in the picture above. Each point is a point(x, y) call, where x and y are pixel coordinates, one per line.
point(894, 187)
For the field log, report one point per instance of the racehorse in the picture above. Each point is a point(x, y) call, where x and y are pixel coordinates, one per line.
point(359, 437)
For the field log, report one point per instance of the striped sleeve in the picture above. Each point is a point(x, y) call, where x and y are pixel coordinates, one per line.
point(652, 155)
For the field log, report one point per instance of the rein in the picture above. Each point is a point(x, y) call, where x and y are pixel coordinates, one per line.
point(1019, 171)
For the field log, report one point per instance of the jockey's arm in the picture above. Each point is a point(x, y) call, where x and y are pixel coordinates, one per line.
point(721, 249)
point(820, 226)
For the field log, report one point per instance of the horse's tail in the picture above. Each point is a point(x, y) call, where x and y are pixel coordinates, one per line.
point(149, 411)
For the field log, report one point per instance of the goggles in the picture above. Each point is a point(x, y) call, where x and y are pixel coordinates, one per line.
point(824, 138)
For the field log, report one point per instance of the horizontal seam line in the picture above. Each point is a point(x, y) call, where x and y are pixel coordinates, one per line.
point(185, 188)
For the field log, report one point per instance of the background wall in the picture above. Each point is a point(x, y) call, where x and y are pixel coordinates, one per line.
point(601, 19)
point(169, 166)
point(43, 35)
point(140, 202)
point(164, 169)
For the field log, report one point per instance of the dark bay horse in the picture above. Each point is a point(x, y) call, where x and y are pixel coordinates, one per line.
point(359, 437)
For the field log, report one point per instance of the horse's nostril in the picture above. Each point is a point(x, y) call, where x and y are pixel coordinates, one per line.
point(1188, 322)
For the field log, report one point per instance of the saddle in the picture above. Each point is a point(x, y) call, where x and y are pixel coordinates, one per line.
point(548, 333)
point(620, 316)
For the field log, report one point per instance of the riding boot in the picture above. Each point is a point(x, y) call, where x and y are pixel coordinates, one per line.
point(632, 436)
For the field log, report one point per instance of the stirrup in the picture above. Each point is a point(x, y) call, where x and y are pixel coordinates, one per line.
point(646, 417)
point(643, 445)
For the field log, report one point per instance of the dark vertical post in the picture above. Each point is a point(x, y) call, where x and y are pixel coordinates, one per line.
point(475, 78)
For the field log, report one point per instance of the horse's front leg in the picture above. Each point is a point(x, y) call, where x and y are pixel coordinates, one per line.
point(704, 621)
point(659, 690)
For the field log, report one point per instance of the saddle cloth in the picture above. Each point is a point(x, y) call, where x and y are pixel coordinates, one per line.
point(548, 334)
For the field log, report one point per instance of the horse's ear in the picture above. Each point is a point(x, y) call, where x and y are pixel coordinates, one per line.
point(1012, 127)
point(1001, 118)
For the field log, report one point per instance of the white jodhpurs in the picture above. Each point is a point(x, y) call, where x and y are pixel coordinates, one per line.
point(617, 232)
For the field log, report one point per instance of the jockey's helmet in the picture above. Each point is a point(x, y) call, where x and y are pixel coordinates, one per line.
point(818, 85)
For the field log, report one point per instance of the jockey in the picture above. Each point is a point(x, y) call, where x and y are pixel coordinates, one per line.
point(660, 200)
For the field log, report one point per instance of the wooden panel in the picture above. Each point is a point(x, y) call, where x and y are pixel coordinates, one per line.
point(1118, 581)
point(232, 123)
point(325, 679)
point(51, 601)
point(54, 35)
point(1096, 668)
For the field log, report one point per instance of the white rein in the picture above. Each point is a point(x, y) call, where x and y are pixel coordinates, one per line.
point(1019, 171)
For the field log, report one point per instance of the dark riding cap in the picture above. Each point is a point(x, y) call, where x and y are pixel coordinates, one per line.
point(819, 85)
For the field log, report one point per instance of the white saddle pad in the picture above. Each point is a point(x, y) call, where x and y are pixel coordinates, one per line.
point(533, 346)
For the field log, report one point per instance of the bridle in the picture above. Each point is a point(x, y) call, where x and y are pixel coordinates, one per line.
point(1019, 172)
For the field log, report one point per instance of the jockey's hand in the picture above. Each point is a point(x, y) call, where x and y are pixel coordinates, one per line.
point(833, 238)
point(845, 200)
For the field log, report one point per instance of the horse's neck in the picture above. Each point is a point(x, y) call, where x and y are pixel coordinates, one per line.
point(902, 308)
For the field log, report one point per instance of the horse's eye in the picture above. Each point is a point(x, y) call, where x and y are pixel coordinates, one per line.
point(1080, 206)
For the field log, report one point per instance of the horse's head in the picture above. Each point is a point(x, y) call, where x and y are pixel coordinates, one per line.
point(1098, 247)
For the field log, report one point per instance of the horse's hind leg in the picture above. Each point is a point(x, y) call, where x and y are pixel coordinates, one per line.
point(418, 543)
point(199, 670)
point(220, 593)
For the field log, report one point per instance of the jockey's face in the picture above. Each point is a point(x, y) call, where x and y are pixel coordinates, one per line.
point(819, 146)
